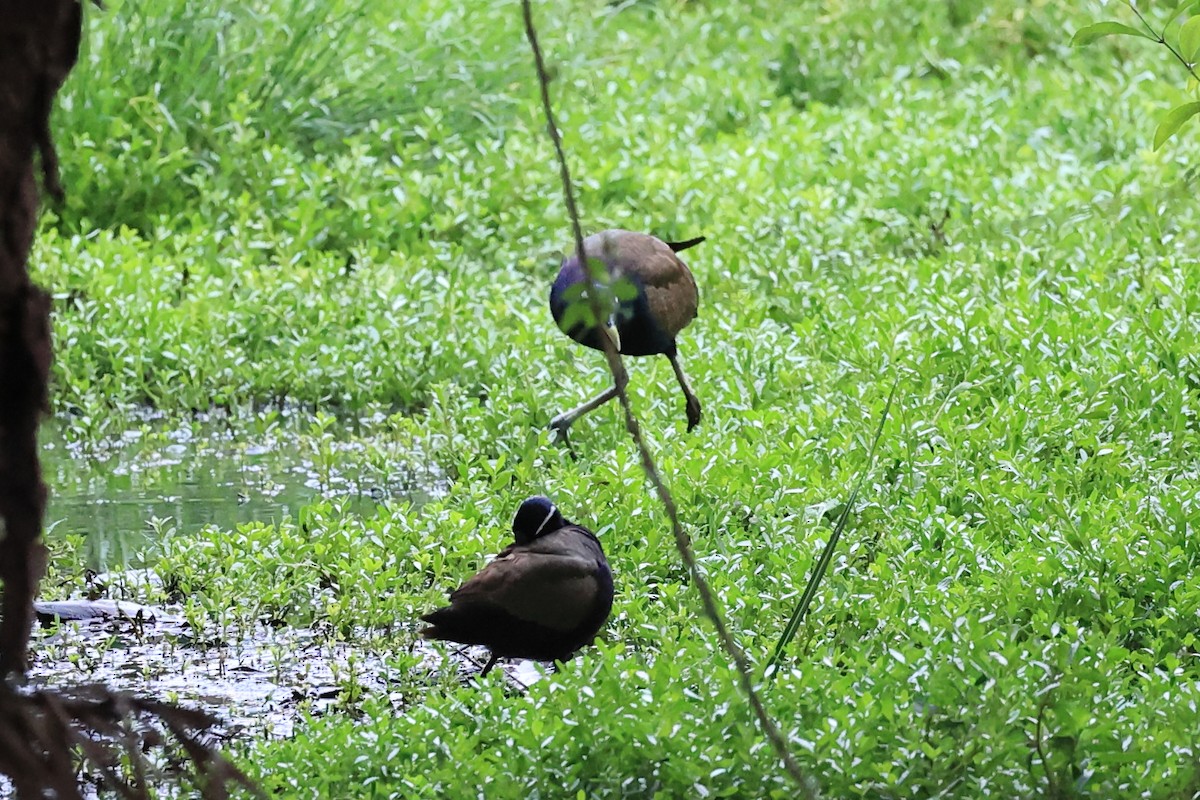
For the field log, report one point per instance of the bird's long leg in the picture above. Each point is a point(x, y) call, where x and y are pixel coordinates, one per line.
point(563, 421)
point(491, 663)
point(693, 403)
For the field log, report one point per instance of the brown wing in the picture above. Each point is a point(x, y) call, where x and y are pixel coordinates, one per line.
point(674, 305)
point(557, 591)
point(569, 540)
point(670, 286)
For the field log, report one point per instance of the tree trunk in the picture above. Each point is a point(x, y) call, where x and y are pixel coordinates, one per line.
point(39, 43)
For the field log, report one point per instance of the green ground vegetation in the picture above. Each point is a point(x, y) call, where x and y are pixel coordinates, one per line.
point(353, 207)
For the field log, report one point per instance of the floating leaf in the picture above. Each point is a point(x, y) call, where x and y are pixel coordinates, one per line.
point(1090, 33)
point(1173, 121)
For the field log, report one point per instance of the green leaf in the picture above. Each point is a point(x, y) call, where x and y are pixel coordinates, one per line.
point(579, 314)
point(598, 270)
point(1173, 121)
point(1187, 8)
point(1189, 38)
point(1090, 33)
point(625, 289)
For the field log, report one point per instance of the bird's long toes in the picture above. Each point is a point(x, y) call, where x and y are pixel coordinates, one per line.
point(693, 413)
point(560, 426)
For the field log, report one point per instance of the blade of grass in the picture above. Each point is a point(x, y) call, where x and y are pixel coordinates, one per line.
point(818, 573)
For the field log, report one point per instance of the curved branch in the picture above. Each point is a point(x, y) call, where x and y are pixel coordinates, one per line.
point(683, 542)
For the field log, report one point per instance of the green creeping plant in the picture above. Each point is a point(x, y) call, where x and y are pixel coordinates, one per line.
point(364, 237)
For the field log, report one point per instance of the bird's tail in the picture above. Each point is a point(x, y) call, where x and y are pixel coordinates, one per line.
point(678, 246)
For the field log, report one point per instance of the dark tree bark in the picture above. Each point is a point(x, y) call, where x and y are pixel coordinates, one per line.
point(39, 43)
point(44, 734)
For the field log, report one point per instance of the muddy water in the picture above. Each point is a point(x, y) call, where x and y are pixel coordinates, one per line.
point(257, 683)
point(197, 474)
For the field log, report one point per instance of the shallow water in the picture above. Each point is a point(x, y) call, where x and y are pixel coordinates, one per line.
point(198, 473)
point(116, 491)
point(257, 682)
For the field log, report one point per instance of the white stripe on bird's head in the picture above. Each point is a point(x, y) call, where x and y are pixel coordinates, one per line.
point(549, 516)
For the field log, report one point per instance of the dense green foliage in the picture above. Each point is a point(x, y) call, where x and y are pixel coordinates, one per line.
point(364, 216)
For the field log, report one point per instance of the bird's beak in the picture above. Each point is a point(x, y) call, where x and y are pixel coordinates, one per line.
point(610, 330)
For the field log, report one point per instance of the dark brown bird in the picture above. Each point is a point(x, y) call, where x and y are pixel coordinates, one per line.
point(543, 597)
point(645, 324)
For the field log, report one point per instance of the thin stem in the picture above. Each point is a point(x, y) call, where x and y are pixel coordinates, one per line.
point(1158, 37)
point(1050, 780)
point(683, 542)
point(620, 376)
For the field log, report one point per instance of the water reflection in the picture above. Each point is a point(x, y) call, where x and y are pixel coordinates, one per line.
point(201, 473)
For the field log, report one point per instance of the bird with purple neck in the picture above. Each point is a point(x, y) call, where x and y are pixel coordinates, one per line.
point(661, 301)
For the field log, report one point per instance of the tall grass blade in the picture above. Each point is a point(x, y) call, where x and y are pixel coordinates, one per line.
point(818, 573)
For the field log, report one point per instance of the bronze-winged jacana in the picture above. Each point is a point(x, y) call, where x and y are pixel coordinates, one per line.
point(647, 323)
point(543, 597)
